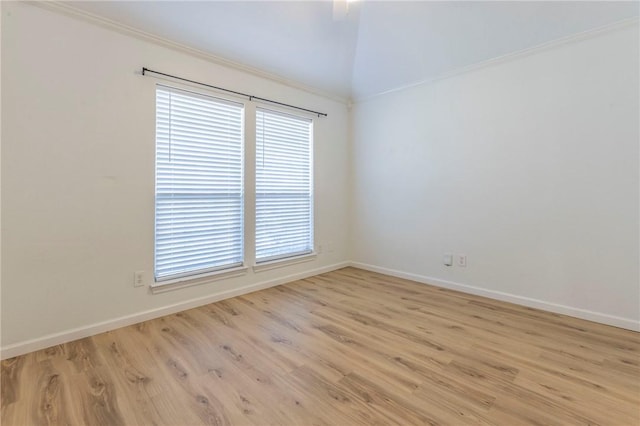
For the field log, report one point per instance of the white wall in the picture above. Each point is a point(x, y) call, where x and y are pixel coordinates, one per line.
point(528, 166)
point(78, 175)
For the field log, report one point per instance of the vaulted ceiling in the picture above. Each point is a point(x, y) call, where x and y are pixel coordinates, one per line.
point(377, 46)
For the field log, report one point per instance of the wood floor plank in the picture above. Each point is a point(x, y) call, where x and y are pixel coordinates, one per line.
point(349, 347)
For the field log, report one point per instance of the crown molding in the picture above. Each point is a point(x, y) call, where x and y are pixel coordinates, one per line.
point(74, 12)
point(66, 9)
point(509, 57)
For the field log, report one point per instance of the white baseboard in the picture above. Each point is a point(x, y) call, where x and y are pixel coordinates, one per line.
point(598, 317)
point(27, 346)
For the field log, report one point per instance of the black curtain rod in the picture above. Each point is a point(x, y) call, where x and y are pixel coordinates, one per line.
point(251, 97)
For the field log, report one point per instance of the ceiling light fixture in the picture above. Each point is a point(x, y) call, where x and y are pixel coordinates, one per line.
point(341, 9)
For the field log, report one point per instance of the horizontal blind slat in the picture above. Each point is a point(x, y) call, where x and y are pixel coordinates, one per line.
point(199, 213)
point(284, 185)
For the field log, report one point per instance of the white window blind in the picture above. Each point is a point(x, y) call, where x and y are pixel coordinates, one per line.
point(284, 185)
point(199, 187)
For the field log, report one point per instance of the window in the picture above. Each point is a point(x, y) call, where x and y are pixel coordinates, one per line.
point(284, 186)
point(199, 184)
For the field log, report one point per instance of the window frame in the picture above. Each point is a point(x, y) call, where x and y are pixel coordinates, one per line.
point(249, 153)
point(277, 261)
point(225, 271)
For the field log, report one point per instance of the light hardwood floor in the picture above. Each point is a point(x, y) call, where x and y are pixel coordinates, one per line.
point(346, 347)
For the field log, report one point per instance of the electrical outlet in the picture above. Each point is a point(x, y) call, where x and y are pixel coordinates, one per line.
point(461, 260)
point(447, 259)
point(138, 279)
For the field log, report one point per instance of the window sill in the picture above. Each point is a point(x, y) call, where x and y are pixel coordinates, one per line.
point(178, 283)
point(281, 263)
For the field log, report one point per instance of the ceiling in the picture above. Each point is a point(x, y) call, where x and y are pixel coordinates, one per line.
point(378, 46)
